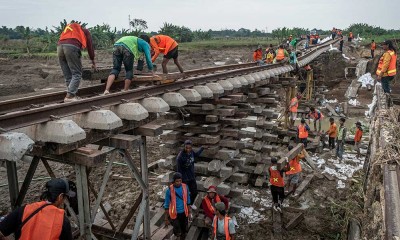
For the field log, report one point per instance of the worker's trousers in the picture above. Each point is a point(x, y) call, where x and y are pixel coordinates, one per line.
point(339, 149)
point(69, 57)
point(386, 83)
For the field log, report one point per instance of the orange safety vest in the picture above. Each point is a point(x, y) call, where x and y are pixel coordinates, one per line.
point(294, 108)
point(281, 54)
point(257, 55)
point(275, 177)
point(74, 30)
point(208, 202)
point(294, 166)
point(373, 46)
point(392, 65)
point(333, 130)
point(358, 136)
point(303, 133)
point(315, 115)
point(46, 224)
point(172, 204)
point(226, 227)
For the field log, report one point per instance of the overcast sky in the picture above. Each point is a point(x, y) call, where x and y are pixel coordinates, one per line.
point(204, 14)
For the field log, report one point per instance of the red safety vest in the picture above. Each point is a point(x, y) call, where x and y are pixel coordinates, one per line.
point(74, 30)
point(226, 227)
point(391, 71)
point(294, 108)
point(275, 177)
point(303, 133)
point(281, 54)
point(294, 166)
point(45, 225)
point(172, 204)
point(208, 202)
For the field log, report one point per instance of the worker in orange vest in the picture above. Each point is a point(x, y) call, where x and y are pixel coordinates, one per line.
point(44, 220)
point(176, 205)
point(209, 201)
point(387, 65)
point(277, 184)
point(281, 55)
point(257, 55)
point(317, 116)
point(165, 45)
point(223, 226)
point(357, 138)
point(294, 105)
point(294, 171)
point(332, 133)
point(373, 47)
point(73, 39)
point(302, 132)
point(350, 37)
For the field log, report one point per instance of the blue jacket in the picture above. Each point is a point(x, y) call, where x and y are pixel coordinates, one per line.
point(185, 164)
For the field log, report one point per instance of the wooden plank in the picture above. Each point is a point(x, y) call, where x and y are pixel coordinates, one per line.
point(332, 110)
point(304, 184)
point(150, 129)
point(289, 156)
point(75, 157)
point(162, 233)
point(296, 220)
point(122, 141)
point(309, 160)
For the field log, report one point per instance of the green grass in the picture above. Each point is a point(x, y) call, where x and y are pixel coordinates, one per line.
point(227, 43)
point(381, 38)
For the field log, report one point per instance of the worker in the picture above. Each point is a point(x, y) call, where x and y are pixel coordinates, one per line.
point(165, 45)
point(185, 165)
point(176, 205)
point(290, 38)
point(332, 133)
point(73, 39)
point(294, 105)
point(281, 55)
point(209, 201)
point(373, 47)
point(257, 55)
point(126, 50)
point(302, 132)
point(357, 138)
point(293, 58)
point(317, 116)
point(294, 171)
point(45, 220)
point(293, 44)
point(350, 38)
point(223, 226)
point(333, 33)
point(341, 139)
point(341, 41)
point(277, 184)
point(387, 66)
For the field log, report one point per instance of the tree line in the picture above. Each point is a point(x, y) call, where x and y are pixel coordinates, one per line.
point(104, 36)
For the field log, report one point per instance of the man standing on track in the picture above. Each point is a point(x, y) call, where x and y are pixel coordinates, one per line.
point(165, 45)
point(387, 65)
point(126, 50)
point(73, 39)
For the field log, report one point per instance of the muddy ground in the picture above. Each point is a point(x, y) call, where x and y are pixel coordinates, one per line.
point(323, 201)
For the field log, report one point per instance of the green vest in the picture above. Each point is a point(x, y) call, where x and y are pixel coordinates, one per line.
point(340, 134)
point(131, 43)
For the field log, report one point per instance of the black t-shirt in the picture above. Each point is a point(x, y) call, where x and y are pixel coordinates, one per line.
point(12, 221)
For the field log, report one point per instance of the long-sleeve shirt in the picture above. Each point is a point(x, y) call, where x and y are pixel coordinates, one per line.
point(162, 44)
point(292, 58)
point(386, 61)
point(75, 42)
point(185, 164)
point(257, 55)
point(207, 211)
point(342, 133)
point(144, 47)
point(180, 208)
point(358, 136)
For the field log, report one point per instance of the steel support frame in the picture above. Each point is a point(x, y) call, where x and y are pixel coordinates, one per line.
point(12, 176)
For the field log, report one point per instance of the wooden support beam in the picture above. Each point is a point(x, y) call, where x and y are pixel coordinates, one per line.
point(150, 130)
point(289, 156)
point(296, 220)
point(81, 156)
point(122, 141)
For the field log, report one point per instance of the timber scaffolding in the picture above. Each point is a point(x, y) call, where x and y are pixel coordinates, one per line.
point(211, 107)
point(382, 178)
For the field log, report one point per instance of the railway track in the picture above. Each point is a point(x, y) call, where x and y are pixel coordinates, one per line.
point(18, 113)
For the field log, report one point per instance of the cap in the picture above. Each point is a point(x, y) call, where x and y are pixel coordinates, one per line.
point(59, 186)
point(212, 189)
point(220, 206)
point(188, 142)
point(177, 175)
point(358, 123)
point(387, 42)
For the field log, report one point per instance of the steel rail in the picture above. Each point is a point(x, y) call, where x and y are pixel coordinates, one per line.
point(46, 113)
point(36, 101)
